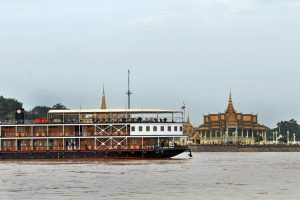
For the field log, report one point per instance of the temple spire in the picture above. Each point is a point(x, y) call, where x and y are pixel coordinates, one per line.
point(103, 102)
point(188, 121)
point(230, 108)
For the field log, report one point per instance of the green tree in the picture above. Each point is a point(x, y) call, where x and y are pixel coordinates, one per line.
point(40, 112)
point(59, 106)
point(292, 126)
point(8, 108)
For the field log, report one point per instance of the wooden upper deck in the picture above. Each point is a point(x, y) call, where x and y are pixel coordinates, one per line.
point(115, 116)
point(115, 111)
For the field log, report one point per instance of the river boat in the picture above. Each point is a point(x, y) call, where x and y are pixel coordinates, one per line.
point(94, 134)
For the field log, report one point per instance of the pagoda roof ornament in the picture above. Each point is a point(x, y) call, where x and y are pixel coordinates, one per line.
point(230, 108)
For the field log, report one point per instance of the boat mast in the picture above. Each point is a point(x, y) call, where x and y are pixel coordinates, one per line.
point(128, 92)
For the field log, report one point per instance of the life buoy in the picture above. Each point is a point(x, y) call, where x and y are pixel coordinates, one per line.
point(132, 152)
point(144, 152)
point(157, 151)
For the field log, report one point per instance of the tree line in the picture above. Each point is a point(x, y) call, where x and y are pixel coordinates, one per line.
point(286, 130)
point(8, 107)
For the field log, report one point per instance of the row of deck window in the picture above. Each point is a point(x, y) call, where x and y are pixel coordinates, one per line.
point(155, 128)
point(20, 129)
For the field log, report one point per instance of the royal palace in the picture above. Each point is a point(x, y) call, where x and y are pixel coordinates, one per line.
point(230, 127)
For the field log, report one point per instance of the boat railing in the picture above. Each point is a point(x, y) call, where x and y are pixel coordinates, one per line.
point(14, 122)
point(118, 120)
point(106, 121)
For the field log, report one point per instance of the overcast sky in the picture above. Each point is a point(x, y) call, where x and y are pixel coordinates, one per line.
point(177, 50)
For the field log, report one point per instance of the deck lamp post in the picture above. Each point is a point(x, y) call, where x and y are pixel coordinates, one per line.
point(276, 137)
point(294, 136)
point(273, 137)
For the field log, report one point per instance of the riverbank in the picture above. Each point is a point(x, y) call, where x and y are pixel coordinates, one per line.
point(245, 148)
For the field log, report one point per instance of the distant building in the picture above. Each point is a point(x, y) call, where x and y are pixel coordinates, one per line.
point(103, 100)
point(188, 128)
point(230, 127)
point(102, 117)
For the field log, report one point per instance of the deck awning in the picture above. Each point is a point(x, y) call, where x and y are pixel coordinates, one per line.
point(114, 111)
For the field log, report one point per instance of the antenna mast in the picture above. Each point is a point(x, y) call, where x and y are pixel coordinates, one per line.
point(128, 92)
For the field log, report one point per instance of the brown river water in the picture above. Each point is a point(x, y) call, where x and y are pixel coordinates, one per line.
point(205, 176)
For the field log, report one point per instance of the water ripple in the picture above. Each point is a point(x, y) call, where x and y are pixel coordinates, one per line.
point(206, 176)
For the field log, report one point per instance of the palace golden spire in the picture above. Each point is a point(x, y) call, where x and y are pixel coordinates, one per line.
point(230, 108)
